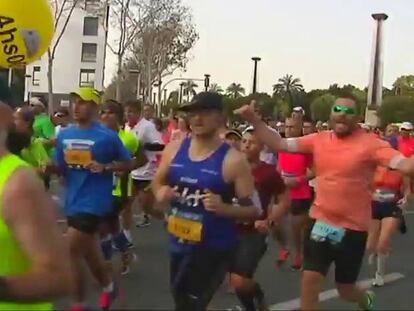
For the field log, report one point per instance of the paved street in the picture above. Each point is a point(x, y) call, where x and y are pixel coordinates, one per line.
point(146, 288)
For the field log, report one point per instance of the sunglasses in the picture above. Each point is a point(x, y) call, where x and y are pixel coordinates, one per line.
point(344, 109)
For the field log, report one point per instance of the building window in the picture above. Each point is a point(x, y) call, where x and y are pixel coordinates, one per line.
point(90, 26)
point(36, 76)
point(89, 52)
point(87, 77)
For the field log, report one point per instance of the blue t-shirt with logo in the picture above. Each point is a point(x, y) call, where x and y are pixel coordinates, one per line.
point(87, 192)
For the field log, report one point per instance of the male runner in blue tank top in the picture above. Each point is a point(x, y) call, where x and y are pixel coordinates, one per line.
point(199, 177)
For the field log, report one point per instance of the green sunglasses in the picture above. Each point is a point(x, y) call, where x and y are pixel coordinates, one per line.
point(344, 109)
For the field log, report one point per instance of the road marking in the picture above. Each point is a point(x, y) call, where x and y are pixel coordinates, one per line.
point(294, 304)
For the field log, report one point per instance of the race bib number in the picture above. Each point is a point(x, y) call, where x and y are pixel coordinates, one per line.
point(78, 157)
point(322, 232)
point(185, 229)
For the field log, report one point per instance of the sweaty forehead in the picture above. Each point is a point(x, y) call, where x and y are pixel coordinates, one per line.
point(345, 102)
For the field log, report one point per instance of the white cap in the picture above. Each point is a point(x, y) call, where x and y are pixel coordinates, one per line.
point(299, 109)
point(35, 101)
point(406, 126)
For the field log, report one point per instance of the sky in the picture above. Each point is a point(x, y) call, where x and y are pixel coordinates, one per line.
point(319, 41)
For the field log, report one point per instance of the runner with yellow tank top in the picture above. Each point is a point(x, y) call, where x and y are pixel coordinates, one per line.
point(33, 265)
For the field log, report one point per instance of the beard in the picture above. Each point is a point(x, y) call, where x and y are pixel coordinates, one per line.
point(17, 141)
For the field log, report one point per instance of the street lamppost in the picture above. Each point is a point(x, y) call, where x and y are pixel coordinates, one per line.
point(376, 75)
point(255, 60)
point(207, 81)
point(181, 92)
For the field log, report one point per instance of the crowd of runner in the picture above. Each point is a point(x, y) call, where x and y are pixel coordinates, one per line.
point(220, 190)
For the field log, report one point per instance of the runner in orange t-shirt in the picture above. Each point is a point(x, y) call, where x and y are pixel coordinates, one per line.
point(345, 159)
point(390, 194)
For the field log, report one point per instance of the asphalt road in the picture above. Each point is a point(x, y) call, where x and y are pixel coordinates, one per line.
point(146, 287)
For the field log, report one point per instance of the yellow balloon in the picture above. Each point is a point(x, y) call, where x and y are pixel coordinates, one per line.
point(26, 31)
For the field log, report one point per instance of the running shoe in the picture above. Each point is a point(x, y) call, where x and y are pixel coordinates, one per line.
point(297, 263)
point(127, 260)
point(145, 222)
point(378, 280)
point(282, 256)
point(122, 242)
point(108, 298)
point(369, 301)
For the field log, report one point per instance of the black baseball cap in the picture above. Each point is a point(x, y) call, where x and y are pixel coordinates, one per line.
point(204, 100)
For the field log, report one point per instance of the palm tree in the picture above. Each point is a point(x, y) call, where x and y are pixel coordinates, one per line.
point(286, 86)
point(236, 90)
point(404, 85)
point(189, 89)
point(215, 88)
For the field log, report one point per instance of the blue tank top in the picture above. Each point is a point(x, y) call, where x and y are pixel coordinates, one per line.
point(189, 224)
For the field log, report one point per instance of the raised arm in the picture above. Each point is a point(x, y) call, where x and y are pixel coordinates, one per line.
point(271, 138)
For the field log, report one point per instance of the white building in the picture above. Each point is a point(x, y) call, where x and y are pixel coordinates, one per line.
point(79, 59)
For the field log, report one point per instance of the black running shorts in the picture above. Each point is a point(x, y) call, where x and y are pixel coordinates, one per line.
point(84, 222)
point(300, 206)
point(250, 250)
point(347, 255)
point(381, 210)
point(141, 185)
point(195, 276)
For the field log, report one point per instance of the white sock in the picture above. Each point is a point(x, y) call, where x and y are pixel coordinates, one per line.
point(107, 238)
point(381, 261)
point(371, 259)
point(127, 234)
point(109, 288)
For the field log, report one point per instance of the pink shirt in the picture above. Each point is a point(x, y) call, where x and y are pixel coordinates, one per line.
point(344, 175)
point(296, 165)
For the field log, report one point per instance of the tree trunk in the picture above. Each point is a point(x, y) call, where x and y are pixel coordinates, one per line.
point(159, 94)
point(149, 79)
point(50, 82)
point(118, 94)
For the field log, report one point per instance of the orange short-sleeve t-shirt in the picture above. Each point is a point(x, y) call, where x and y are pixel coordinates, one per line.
point(344, 170)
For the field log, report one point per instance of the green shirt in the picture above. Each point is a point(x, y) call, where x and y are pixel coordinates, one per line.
point(44, 128)
point(35, 154)
point(131, 143)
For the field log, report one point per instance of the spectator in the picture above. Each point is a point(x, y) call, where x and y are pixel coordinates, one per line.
point(183, 129)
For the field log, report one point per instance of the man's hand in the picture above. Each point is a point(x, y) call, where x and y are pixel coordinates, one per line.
point(248, 112)
point(262, 226)
point(95, 167)
point(402, 203)
point(166, 194)
point(213, 203)
point(291, 182)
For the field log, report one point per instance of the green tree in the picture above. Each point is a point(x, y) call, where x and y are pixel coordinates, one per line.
point(404, 85)
point(189, 89)
point(286, 87)
point(396, 109)
point(215, 88)
point(235, 90)
point(321, 107)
